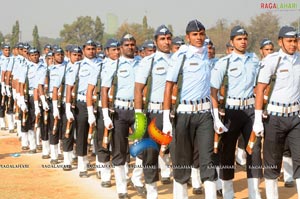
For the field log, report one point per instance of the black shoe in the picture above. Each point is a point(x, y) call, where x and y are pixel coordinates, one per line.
point(60, 157)
point(189, 183)
point(33, 151)
point(106, 184)
point(67, 168)
point(45, 156)
point(39, 147)
point(141, 191)
point(197, 191)
point(55, 161)
point(11, 131)
point(74, 161)
point(83, 174)
point(166, 180)
point(289, 184)
point(25, 148)
point(219, 193)
point(98, 174)
point(2, 128)
point(93, 154)
point(123, 196)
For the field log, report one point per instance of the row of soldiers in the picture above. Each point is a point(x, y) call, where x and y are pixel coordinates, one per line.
point(193, 97)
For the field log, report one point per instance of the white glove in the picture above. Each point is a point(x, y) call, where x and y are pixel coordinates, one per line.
point(91, 115)
point(167, 125)
point(7, 88)
point(18, 98)
point(55, 109)
point(14, 92)
point(218, 125)
point(36, 108)
point(44, 103)
point(3, 89)
point(107, 121)
point(258, 126)
point(22, 105)
point(69, 113)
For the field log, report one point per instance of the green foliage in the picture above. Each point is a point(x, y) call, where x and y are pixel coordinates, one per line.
point(36, 38)
point(15, 34)
point(1, 38)
point(81, 30)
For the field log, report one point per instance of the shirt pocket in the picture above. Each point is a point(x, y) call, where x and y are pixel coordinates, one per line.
point(283, 74)
point(234, 72)
point(123, 73)
point(193, 66)
point(31, 75)
point(84, 73)
point(160, 70)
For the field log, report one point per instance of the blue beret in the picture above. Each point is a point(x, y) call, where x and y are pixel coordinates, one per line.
point(75, 49)
point(148, 44)
point(237, 30)
point(112, 43)
point(33, 50)
point(49, 54)
point(207, 41)
point(55, 46)
point(228, 45)
point(48, 46)
point(162, 30)
point(194, 26)
point(58, 50)
point(5, 46)
point(89, 42)
point(177, 41)
point(98, 45)
point(20, 45)
point(287, 32)
point(265, 42)
point(26, 46)
point(127, 37)
point(101, 55)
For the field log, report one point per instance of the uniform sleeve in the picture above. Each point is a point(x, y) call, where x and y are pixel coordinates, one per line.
point(173, 71)
point(107, 76)
point(22, 74)
point(142, 71)
point(41, 74)
point(217, 74)
point(10, 64)
point(71, 75)
point(265, 71)
point(94, 76)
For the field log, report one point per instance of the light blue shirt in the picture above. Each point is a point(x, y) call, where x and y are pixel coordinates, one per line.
point(6, 63)
point(287, 85)
point(161, 64)
point(35, 74)
point(56, 74)
point(242, 73)
point(196, 72)
point(88, 74)
point(18, 66)
point(126, 75)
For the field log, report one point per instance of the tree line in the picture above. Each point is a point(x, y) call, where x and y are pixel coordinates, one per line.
point(85, 27)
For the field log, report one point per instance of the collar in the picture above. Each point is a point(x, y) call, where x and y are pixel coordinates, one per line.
point(236, 56)
point(192, 50)
point(161, 55)
point(290, 58)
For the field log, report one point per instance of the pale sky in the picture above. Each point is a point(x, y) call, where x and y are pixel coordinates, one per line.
point(51, 15)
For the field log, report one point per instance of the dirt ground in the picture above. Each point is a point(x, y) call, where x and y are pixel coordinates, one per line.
point(43, 183)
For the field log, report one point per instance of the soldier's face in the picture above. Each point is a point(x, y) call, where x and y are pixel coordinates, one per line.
point(175, 48)
point(196, 38)
point(89, 52)
point(6, 52)
point(113, 52)
point(288, 45)
point(148, 51)
point(74, 57)
point(128, 48)
point(34, 57)
point(58, 58)
point(298, 44)
point(163, 43)
point(49, 61)
point(267, 49)
point(210, 51)
point(240, 43)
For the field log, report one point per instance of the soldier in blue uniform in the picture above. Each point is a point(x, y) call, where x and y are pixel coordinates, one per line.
point(193, 120)
point(124, 110)
point(242, 68)
point(283, 108)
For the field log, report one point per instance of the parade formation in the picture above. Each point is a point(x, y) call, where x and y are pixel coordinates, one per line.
point(183, 115)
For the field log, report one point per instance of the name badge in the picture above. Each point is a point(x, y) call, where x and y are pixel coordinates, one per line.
point(284, 70)
point(233, 69)
point(123, 71)
point(194, 64)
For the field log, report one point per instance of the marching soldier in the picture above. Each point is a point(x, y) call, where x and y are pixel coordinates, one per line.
point(123, 98)
point(83, 74)
point(281, 71)
point(176, 43)
point(193, 120)
point(67, 116)
point(157, 66)
point(242, 68)
point(6, 63)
